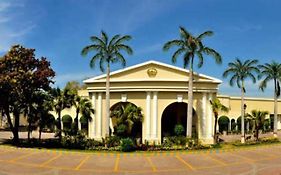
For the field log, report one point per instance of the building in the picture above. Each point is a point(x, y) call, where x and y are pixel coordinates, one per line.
point(161, 91)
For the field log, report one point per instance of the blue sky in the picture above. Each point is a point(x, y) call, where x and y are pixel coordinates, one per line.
point(59, 29)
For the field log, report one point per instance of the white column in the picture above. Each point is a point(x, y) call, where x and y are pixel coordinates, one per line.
point(99, 116)
point(92, 123)
point(148, 115)
point(204, 116)
point(210, 117)
point(155, 115)
point(79, 123)
point(229, 125)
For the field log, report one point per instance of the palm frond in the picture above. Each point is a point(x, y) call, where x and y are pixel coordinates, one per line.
point(204, 34)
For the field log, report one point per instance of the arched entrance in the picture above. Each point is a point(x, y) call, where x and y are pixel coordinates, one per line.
point(176, 114)
point(223, 123)
point(119, 124)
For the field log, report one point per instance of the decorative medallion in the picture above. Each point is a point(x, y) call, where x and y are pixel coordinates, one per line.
point(151, 72)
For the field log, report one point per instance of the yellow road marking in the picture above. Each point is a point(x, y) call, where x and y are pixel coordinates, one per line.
point(50, 160)
point(185, 163)
point(216, 160)
point(82, 162)
point(245, 158)
point(151, 164)
point(23, 156)
point(117, 163)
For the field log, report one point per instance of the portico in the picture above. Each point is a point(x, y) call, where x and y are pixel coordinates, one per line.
point(154, 86)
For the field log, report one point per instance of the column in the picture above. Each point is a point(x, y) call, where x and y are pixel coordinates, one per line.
point(148, 115)
point(92, 123)
point(204, 116)
point(79, 123)
point(210, 117)
point(155, 115)
point(99, 116)
point(229, 125)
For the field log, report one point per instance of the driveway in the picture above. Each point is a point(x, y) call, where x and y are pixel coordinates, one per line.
point(259, 160)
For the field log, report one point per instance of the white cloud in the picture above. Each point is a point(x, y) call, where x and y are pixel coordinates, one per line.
point(13, 30)
point(62, 79)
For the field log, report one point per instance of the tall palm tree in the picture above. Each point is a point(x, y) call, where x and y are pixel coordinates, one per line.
point(258, 119)
point(217, 107)
point(108, 51)
point(62, 99)
point(271, 72)
point(190, 47)
point(84, 107)
point(239, 72)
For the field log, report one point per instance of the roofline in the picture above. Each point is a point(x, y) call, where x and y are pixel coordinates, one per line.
point(90, 80)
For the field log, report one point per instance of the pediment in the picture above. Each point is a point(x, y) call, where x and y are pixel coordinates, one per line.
point(151, 71)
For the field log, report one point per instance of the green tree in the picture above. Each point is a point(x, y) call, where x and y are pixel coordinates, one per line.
point(271, 72)
point(62, 99)
point(84, 107)
point(217, 107)
point(21, 76)
point(127, 115)
point(258, 119)
point(239, 72)
point(108, 51)
point(190, 47)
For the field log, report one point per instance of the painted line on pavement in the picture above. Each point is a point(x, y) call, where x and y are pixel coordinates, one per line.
point(154, 169)
point(50, 160)
point(116, 165)
point(185, 163)
point(23, 156)
point(82, 162)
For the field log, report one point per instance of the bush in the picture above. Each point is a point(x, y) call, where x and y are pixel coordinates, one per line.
point(112, 141)
point(74, 142)
point(127, 145)
point(121, 130)
point(179, 130)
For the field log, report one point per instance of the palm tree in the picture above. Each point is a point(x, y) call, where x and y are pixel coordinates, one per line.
point(127, 115)
point(190, 46)
point(258, 118)
point(217, 107)
point(84, 107)
point(62, 99)
point(239, 72)
point(108, 51)
point(271, 71)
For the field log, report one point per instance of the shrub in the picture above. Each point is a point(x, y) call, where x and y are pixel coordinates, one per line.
point(112, 141)
point(127, 145)
point(121, 130)
point(179, 130)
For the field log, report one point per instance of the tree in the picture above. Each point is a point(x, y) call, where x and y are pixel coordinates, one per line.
point(84, 107)
point(21, 75)
point(108, 51)
point(190, 46)
point(271, 72)
point(239, 72)
point(127, 115)
point(217, 107)
point(62, 99)
point(258, 119)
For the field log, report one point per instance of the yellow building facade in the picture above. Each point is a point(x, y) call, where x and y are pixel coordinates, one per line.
point(161, 90)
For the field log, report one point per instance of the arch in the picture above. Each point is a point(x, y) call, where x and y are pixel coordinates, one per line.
point(223, 123)
point(175, 114)
point(67, 121)
point(50, 123)
point(233, 125)
point(136, 130)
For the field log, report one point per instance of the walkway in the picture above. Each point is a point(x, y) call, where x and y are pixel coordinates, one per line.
point(260, 160)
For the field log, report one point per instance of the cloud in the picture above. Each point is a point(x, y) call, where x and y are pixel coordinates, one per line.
point(251, 89)
point(62, 79)
point(12, 29)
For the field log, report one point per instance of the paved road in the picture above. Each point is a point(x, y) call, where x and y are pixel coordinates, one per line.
point(260, 160)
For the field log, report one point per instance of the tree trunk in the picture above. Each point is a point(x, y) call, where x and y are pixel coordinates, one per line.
point(77, 122)
point(190, 103)
point(29, 130)
point(40, 133)
point(107, 99)
point(242, 114)
point(59, 125)
point(215, 128)
point(16, 128)
point(11, 125)
point(275, 110)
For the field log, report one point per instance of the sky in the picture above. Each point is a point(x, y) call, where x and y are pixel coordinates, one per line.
point(59, 29)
